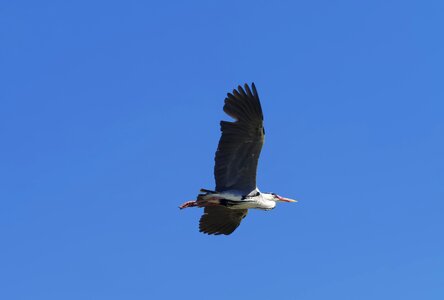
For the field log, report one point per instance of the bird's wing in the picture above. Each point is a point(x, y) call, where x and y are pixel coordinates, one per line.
point(221, 220)
point(241, 142)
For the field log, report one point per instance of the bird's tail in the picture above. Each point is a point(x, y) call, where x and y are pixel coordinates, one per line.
point(203, 200)
point(207, 198)
point(207, 191)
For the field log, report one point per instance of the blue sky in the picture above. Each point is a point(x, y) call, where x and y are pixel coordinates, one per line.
point(109, 120)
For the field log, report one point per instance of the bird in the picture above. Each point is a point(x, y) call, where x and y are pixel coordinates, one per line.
point(235, 167)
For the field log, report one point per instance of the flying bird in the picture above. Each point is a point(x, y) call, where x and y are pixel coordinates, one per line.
point(235, 167)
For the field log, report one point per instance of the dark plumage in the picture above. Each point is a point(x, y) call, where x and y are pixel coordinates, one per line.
point(241, 142)
point(221, 220)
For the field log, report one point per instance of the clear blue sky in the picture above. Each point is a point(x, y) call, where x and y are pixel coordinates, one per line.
point(109, 119)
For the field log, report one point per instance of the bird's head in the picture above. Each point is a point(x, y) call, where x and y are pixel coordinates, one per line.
point(277, 198)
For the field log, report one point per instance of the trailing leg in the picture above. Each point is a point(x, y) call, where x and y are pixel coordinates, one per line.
point(188, 204)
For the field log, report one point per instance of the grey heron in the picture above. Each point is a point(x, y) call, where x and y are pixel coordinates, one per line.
point(235, 167)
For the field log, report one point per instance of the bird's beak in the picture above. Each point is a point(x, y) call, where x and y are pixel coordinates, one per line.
point(282, 199)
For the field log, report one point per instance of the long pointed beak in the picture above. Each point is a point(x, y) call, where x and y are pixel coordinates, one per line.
point(286, 199)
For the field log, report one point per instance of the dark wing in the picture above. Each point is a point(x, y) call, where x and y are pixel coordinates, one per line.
point(221, 220)
point(241, 142)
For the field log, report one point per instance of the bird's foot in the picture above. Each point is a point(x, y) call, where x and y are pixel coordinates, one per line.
point(188, 204)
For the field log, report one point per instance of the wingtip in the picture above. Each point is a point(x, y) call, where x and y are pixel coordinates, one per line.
point(242, 91)
point(253, 87)
point(247, 86)
point(241, 88)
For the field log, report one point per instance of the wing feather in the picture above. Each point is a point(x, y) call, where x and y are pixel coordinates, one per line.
point(221, 220)
point(241, 142)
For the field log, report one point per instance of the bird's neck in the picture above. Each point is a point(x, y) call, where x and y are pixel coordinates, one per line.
point(266, 204)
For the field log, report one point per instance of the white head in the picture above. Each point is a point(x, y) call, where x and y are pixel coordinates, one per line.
point(276, 198)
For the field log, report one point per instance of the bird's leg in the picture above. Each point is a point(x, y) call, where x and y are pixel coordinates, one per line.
point(207, 201)
point(188, 204)
point(201, 202)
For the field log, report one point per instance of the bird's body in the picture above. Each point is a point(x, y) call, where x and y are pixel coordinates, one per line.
point(235, 167)
point(236, 200)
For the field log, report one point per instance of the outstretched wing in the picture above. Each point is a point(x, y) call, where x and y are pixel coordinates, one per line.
point(221, 220)
point(241, 142)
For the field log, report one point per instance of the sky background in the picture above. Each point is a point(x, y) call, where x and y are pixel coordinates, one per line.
point(109, 119)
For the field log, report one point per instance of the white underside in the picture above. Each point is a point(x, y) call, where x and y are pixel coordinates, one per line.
point(257, 202)
point(247, 204)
